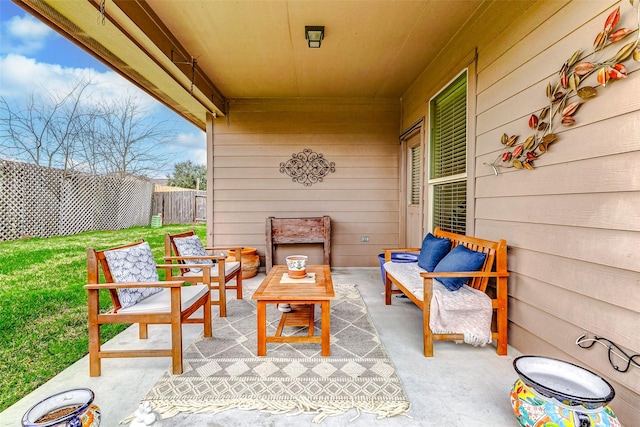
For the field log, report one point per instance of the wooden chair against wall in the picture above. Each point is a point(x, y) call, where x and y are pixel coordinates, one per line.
point(136, 299)
point(287, 231)
point(198, 264)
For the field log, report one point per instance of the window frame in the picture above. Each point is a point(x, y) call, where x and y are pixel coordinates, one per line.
point(467, 175)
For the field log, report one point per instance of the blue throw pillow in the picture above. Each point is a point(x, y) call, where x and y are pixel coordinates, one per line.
point(433, 250)
point(459, 259)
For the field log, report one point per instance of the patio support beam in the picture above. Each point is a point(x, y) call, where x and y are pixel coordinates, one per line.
point(119, 43)
point(209, 191)
point(142, 15)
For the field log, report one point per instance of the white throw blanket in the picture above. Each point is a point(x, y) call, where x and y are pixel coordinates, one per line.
point(466, 311)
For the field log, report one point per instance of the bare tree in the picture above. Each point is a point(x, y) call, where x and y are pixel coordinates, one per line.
point(130, 142)
point(89, 150)
point(67, 132)
point(45, 129)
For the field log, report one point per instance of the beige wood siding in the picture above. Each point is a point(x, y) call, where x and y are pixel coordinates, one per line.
point(361, 196)
point(572, 224)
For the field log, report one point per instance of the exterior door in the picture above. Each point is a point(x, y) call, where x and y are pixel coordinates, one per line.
point(413, 180)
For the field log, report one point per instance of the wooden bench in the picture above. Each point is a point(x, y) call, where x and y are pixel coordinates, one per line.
point(287, 231)
point(495, 266)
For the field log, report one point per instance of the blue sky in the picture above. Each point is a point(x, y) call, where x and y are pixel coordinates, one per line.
point(32, 55)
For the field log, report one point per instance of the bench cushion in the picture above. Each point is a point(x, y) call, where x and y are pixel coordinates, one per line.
point(459, 259)
point(408, 274)
point(133, 264)
point(161, 301)
point(432, 251)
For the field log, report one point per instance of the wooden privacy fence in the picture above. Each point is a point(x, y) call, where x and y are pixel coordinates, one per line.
point(179, 206)
point(44, 202)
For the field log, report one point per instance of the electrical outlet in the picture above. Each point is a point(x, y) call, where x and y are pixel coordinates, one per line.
point(364, 239)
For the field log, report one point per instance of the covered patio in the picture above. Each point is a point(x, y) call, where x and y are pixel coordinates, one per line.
point(462, 385)
point(366, 101)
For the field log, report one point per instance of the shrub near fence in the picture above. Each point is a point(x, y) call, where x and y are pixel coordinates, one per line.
point(44, 202)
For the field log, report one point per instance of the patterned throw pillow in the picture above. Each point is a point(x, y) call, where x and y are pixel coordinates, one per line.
point(192, 246)
point(133, 264)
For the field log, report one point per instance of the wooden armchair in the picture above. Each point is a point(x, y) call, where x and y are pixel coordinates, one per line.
point(194, 263)
point(139, 297)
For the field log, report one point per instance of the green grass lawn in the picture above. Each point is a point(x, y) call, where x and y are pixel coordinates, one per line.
point(43, 305)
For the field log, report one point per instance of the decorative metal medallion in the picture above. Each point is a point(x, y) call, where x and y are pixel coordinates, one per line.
point(307, 167)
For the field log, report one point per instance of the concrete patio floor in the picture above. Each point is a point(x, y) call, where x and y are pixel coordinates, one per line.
point(459, 386)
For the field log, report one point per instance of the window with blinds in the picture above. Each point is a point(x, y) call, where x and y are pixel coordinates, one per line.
point(448, 157)
point(415, 175)
point(450, 206)
point(449, 130)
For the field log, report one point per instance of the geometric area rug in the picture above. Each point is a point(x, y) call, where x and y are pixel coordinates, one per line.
point(223, 372)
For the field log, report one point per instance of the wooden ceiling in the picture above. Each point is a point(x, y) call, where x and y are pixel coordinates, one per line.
point(193, 55)
point(370, 48)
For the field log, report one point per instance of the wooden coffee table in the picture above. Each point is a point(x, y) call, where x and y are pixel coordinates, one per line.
point(271, 291)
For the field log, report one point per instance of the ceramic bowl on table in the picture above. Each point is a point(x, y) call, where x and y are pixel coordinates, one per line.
point(297, 266)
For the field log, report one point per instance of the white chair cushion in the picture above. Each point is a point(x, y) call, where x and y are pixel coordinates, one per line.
point(161, 301)
point(133, 264)
point(229, 267)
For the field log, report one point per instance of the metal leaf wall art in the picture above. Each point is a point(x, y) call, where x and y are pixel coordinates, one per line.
point(571, 90)
point(307, 167)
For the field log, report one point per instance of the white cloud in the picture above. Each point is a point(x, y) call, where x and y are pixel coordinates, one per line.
point(23, 76)
point(25, 34)
point(190, 146)
point(27, 27)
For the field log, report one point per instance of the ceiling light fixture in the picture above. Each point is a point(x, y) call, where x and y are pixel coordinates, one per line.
point(314, 35)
